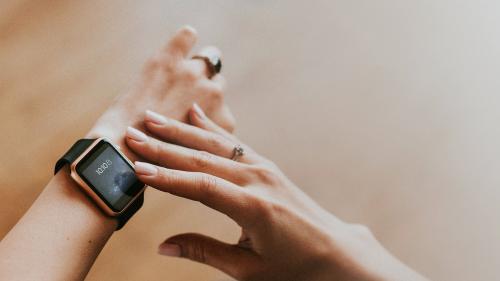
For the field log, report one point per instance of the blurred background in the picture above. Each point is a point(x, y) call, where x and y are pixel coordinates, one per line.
point(386, 112)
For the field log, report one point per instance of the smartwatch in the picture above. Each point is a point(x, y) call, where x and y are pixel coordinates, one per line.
point(106, 175)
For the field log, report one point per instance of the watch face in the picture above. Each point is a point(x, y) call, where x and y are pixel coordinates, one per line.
point(111, 177)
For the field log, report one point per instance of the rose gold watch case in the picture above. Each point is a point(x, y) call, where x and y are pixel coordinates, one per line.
point(88, 190)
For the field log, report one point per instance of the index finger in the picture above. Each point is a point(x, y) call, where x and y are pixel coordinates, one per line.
point(209, 190)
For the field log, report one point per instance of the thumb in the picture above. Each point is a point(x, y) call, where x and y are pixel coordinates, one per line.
point(231, 259)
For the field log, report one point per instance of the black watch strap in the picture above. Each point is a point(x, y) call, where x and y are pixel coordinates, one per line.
point(73, 153)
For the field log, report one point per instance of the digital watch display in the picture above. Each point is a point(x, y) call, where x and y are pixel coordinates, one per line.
point(106, 175)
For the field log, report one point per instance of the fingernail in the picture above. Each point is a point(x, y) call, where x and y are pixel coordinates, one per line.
point(155, 117)
point(145, 169)
point(199, 112)
point(136, 135)
point(189, 28)
point(171, 250)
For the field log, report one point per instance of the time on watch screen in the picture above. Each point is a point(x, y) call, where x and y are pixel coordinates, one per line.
point(109, 175)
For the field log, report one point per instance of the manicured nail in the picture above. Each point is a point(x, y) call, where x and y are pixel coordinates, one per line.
point(145, 169)
point(136, 135)
point(154, 117)
point(171, 250)
point(199, 112)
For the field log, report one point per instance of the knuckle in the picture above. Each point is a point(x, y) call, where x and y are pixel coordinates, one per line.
point(159, 61)
point(215, 94)
point(189, 74)
point(158, 149)
point(264, 208)
point(229, 126)
point(265, 174)
point(207, 185)
point(276, 209)
point(196, 251)
point(168, 178)
point(216, 141)
point(201, 159)
point(162, 152)
point(264, 211)
point(272, 211)
point(173, 131)
point(210, 89)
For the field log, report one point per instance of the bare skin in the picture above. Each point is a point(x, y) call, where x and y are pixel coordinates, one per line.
point(62, 233)
point(286, 236)
point(170, 83)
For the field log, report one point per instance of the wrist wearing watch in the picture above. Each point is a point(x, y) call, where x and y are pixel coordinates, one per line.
point(106, 175)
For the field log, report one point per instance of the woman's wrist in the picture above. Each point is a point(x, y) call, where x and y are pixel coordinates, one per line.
point(126, 112)
point(62, 227)
point(66, 192)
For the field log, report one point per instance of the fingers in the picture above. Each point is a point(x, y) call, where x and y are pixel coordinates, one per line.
point(194, 69)
point(182, 42)
point(208, 52)
point(224, 118)
point(189, 136)
point(231, 259)
point(214, 86)
point(214, 91)
point(199, 119)
point(195, 72)
point(209, 190)
point(218, 82)
point(186, 159)
point(179, 47)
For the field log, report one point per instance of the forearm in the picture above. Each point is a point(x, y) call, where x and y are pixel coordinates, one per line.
point(63, 232)
point(58, 238)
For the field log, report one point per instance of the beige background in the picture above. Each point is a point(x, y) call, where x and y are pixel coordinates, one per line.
point(387, 112)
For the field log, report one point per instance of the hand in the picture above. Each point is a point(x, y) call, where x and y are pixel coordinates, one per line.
point(285, 234)
point(62, 233)
point(170, 83)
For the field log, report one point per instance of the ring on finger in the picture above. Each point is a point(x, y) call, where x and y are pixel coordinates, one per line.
point(213, 63)
point(238, 151)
